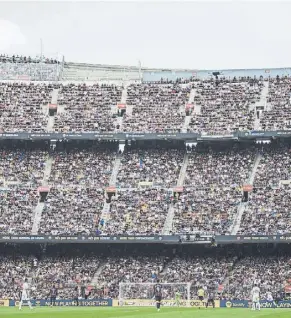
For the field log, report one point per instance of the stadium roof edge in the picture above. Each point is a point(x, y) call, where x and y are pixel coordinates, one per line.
point(150, 69)
point(127, 67)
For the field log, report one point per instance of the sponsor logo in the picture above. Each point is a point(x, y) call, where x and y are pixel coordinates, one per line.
point(70, 302)
point(234, 303)
point(238, 304)
point(281, 304)
point(167, 303)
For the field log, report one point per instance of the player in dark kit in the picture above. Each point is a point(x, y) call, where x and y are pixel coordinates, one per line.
point(158, 294)
point(76, 295)
point(210, 299)
point(279, 297)
point(54, 293)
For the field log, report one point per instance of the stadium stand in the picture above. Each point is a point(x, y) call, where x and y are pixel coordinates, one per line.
point(82, 167)
point(208, 203)
point(213, 191)
point(72, 211)
point(222, 106)
point(267, 211)
point(23, 167)
point(90, 72)
point(226, 105)
point(160, 167)
point(156, 190)
point(28, 69)
point(22, 106)
point(250, 270)
point(156, 108)
point(277, 116)
point(17, 205)
point(138, 212)
point(87, 107)
point(225, 270)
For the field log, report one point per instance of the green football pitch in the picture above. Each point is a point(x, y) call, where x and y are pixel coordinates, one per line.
point(138, 312)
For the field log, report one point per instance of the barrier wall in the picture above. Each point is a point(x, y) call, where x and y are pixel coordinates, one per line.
point(166, 303)
point(197, 303)
point(152, 76)
point(247, 304)
point(146, 303)
point(68, 302)
point(4, 302)
point(234, 303)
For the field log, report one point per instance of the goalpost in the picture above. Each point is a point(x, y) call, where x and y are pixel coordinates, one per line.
point(142, 294)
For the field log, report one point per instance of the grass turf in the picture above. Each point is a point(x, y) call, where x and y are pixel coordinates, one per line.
point(140, 312)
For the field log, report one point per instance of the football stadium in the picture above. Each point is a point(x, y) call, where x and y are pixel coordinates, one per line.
point(133, 191)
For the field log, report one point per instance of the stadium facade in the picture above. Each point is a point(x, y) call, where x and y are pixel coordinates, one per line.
point(68, 72)
point(246, 147)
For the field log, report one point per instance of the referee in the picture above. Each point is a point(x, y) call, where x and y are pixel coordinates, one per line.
point(201, 294)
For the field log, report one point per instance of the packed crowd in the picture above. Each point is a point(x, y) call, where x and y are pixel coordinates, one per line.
point(87, 107)
point(138, 212)
point(16, 209)
point(63, 272)
point(156, 108)
point(212, 194)
point(30, 69)
point(268, 209)
point(220, 106)
point(4, 58)
point(12, 271)
point(78, 178)
point(206, 272)
point(274, 167)
point(22, 167)
point(229, 277)
point(82, 167)
point(269, 273)
point(24, 106)
point(206, 211)
point(158, 167)
point(140, 269)
point(226, 105)
point(146, 195)
point(278, 115)
point(72, 210)
point(267, 213)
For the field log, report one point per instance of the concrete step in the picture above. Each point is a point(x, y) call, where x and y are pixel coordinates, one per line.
point(168, 226)
point(114, 173)
point(47, 171)
point(236, 224)
point(183, 170)
point(40, 205)
point(55, 94)
point(37, 217)
point(50, 123)
point(243, 205)
point(124, 96)
point(98, 273)
point(188, 118)
point(255, 168)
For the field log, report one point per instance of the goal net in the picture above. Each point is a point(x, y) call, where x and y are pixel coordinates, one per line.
point(142, 294)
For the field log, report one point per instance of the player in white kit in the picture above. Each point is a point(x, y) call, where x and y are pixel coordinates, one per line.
point(25, 295)
point(256, 298)
point(270, 299)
